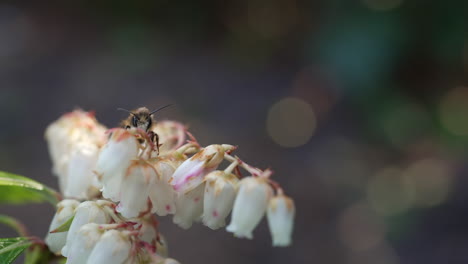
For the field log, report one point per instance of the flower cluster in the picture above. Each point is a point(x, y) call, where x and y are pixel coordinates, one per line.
point(126, 180)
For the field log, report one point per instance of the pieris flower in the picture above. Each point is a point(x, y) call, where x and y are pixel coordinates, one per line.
point(113, 161)
point(86, 212)
point(189, 207)
point(81, 164)
point(191, 172)
point(113, 248)
point(65, 210)
point(135, 188)
point(83, 243)
point(220, 192)
point(64, 135)
point(161, 193)
point(280, 215)
point(249, 206)
point(148, 232)
point(171, 135)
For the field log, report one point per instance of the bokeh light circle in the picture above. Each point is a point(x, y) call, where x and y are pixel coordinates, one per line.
point(291, 122)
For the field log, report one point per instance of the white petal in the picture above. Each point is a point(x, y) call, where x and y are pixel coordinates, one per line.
point(86, 212)
point(113, 248)
point(220, 192)
point(83, 243)
point(65, 210)
point(189, 207)
point(135, 188)
point(80, 170)
point(161, 193)
point(188, 175)
point(113, 161)
point(249, 206)
point(280, 215)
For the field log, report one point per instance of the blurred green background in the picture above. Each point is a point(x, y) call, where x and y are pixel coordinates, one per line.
point(360, 108)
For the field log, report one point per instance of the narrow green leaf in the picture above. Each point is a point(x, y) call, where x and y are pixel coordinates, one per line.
point(14, 224)
point(11, 248)
point(17, 189)
point(64, 227)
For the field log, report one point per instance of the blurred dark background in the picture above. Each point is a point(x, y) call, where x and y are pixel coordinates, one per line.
point(360, 107)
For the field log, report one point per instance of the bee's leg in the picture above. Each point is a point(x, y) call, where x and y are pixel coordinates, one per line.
point(156, 140)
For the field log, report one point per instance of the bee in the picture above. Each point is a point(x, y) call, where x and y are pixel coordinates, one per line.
point(143, 119)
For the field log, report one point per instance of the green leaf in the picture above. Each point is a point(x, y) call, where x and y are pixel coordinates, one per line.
point(17, 189)
point(11, 248)
point(63, 227)
point(14, 224)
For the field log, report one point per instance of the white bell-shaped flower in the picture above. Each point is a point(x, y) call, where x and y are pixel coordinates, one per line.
point(65, 210)
point(280, 215)
point(249, 206)
point(171, 135)
point(148, 231)
point(191, 172)
point(113, 161)
point(63, 136)
point(161, 193)
point(113, 248)
point(220, 192)
point(81, 164)
point(189, 207)
point(135, 188)
point(83, 243)
point(86, 212)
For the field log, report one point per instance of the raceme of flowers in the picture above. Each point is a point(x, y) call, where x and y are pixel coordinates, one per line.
point(115, 181)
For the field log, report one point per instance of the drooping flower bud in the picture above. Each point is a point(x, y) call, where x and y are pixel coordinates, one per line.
point(148, 231)
point(161, 193)
point(249, 206)
point(280, 215)
point(113, 248)
point(191, 173)
point(135, 188)
point(63, 137)
point(220, 192)
point(86, 212)
point(189, 207)
point(171, 135)
point(81, 164)
point(83, 243)
point(113, 161)
point(65, 210)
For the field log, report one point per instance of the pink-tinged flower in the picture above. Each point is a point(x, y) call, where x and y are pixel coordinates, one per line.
point(83, 243)
point(189, 207)
point(161, 193)
point(191, 172)
point(113, 248)
point(249, 206)
point(220, 192)
point(63, 135)
point(86, 212)
point(280, 215)
point(135, 188)
point(148, 231)
point(171, 135)
point(65, 210)
point(81, 178)
point(113, 161)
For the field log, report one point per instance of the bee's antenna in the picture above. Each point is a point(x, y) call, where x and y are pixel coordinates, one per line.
point(122, 109)
point(160, 108)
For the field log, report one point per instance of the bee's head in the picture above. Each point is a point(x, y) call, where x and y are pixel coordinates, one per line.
point(142, 120)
